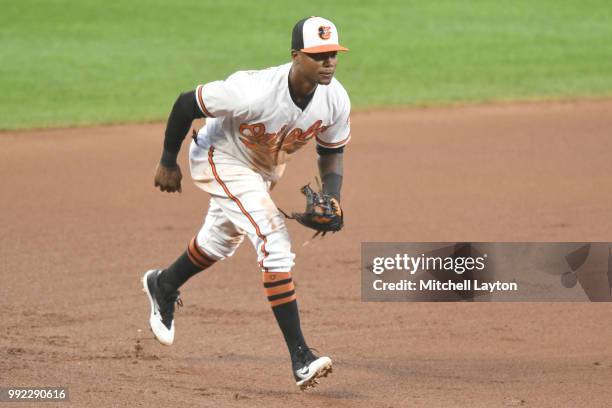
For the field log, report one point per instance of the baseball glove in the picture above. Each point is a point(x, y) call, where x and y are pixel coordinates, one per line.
point(323, 213)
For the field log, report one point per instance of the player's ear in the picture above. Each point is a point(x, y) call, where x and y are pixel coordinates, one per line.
point(294, 55)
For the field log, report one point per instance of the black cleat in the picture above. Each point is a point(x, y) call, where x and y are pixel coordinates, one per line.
point(308, 368)
point(162, 307)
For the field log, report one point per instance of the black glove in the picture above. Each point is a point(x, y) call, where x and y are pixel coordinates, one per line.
point(323, 213)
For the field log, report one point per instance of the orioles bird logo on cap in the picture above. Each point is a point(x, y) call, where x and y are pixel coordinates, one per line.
point(325, 32)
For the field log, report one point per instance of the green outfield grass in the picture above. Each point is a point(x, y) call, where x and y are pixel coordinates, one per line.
point(77, 62)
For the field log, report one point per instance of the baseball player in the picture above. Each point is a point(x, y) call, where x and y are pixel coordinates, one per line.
point(255, 121)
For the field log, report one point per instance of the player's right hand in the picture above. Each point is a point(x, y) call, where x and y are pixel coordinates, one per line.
point(168, 179)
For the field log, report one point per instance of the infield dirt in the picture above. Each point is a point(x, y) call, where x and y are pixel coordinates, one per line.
point(81, 222)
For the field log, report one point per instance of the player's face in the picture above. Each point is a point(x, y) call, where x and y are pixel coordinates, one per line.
point(317, 68)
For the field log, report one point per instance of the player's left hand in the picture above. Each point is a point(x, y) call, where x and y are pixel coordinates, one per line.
point(337, 210)
point(323, 212)
point(168, 179)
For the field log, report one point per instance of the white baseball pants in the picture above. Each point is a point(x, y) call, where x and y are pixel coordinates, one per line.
point(240, 205)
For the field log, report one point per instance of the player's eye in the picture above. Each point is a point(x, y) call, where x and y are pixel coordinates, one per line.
point(322, 56)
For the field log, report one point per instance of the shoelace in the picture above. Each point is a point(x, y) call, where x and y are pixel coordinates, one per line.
point(304, 354)
point(171, 300)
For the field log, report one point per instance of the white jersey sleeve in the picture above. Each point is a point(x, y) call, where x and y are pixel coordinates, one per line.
point(338, 133)
point(230, 97)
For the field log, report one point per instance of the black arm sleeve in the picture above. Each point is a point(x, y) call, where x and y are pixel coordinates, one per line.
point(184, 111)
point(331, 171)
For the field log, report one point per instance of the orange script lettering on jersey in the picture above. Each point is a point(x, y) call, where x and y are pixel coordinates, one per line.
point(254, 136)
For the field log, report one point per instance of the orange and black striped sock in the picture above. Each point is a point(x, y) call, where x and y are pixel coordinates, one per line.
point(280, 290)
point(192, 261)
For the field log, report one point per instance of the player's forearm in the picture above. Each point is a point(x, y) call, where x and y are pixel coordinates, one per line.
point(331, 171)
point(184, 111)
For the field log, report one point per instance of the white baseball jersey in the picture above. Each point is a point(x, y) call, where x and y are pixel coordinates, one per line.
point(251, 117)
